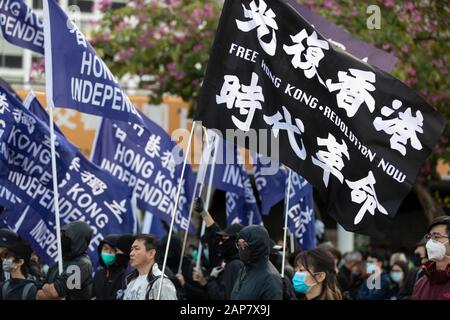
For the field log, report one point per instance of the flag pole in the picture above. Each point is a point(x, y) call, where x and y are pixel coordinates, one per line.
point(286, 212)
point(55, 188)
point(291, 238)
point(175, 207)
point(50, 106)
point(200, 181)
point(208, 198)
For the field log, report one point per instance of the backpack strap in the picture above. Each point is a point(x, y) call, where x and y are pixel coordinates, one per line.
point(149, 287)
point(5, 288)
point(26, 290)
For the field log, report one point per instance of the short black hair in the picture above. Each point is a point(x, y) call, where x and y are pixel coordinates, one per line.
point(442, 220)
point(150, 241)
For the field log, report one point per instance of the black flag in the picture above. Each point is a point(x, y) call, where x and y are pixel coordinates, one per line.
point(356, 133)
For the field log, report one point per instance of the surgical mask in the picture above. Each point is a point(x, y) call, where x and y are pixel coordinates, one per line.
point(371, 267)
point(435, 250)
point(299, 283)
point(45, 268)
point(397, 276)
point(7, 265)
point(108, 258)
point(245, 255)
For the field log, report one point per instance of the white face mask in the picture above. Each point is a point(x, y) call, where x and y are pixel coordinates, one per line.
point(7, 265)
point(435, 250)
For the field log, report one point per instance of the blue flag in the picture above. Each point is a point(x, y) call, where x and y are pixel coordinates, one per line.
point(243, 209)
point(270, 180)
point(153, 225)
point(227, 167)
point(20, 25)
point(76, 77)
point(230, 176)
point(301, 212)
point(152, 167)
point(35, 107)
point(87, 193)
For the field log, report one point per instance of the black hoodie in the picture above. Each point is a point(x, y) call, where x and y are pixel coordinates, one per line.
point(259, 279)
point(108, 280)
point(191, 290)
point(75, 262)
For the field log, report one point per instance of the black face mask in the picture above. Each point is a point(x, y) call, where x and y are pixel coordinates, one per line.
point(65, 246)
point(245, 255)
point(227, 248)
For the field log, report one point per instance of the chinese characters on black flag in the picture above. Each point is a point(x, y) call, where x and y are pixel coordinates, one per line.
point(356, 133)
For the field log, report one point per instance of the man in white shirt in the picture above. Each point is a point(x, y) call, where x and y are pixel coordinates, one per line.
point(144, 282)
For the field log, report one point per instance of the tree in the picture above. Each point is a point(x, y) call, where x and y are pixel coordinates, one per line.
point(167, 44)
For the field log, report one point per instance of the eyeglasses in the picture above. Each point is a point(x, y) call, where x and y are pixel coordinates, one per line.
point(435, 236)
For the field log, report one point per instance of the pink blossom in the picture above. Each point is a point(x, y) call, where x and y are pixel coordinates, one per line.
point(121, 26)
point(328, 4)
point(389, 3)
point(405, 48)
point(198, 47)
point(409, 6)
point(125, 54)
point(171, 66)
point(104, 5)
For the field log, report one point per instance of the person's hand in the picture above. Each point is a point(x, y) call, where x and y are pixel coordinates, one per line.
point(181, 279)
point(215, 272)
point(198, 205)
point(197, 276)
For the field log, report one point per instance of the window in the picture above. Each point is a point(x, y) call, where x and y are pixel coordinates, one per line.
point(10, 61)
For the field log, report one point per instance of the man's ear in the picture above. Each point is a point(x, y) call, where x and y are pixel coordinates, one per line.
point(151, 254)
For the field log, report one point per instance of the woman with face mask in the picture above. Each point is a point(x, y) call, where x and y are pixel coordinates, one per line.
point(434, 284)
point(16, 262)
point(315, 275)
point(398, 273)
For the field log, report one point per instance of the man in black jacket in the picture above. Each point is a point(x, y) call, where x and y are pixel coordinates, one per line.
point(222, 278)
point(109, 277)
point(258, 279)
point(75, 283)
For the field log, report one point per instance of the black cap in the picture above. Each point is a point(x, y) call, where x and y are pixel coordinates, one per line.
point(21, 250)
point(8, 237)
point(231, 231)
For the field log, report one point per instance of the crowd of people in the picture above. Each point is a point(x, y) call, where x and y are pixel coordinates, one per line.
point(242, 263)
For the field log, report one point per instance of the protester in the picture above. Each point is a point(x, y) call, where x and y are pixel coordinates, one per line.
point(108, 278)
point(377, 284)
point(186, 286)
point(398, 273)
point(7, 238)
point(223, 252)
point(435, 284)
point(258, 279)
point(17, 262)
point(123, 251)
point(419, 258)
point(75, 282)
point(144, 282)
point(346, 272)
point(315, 275)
